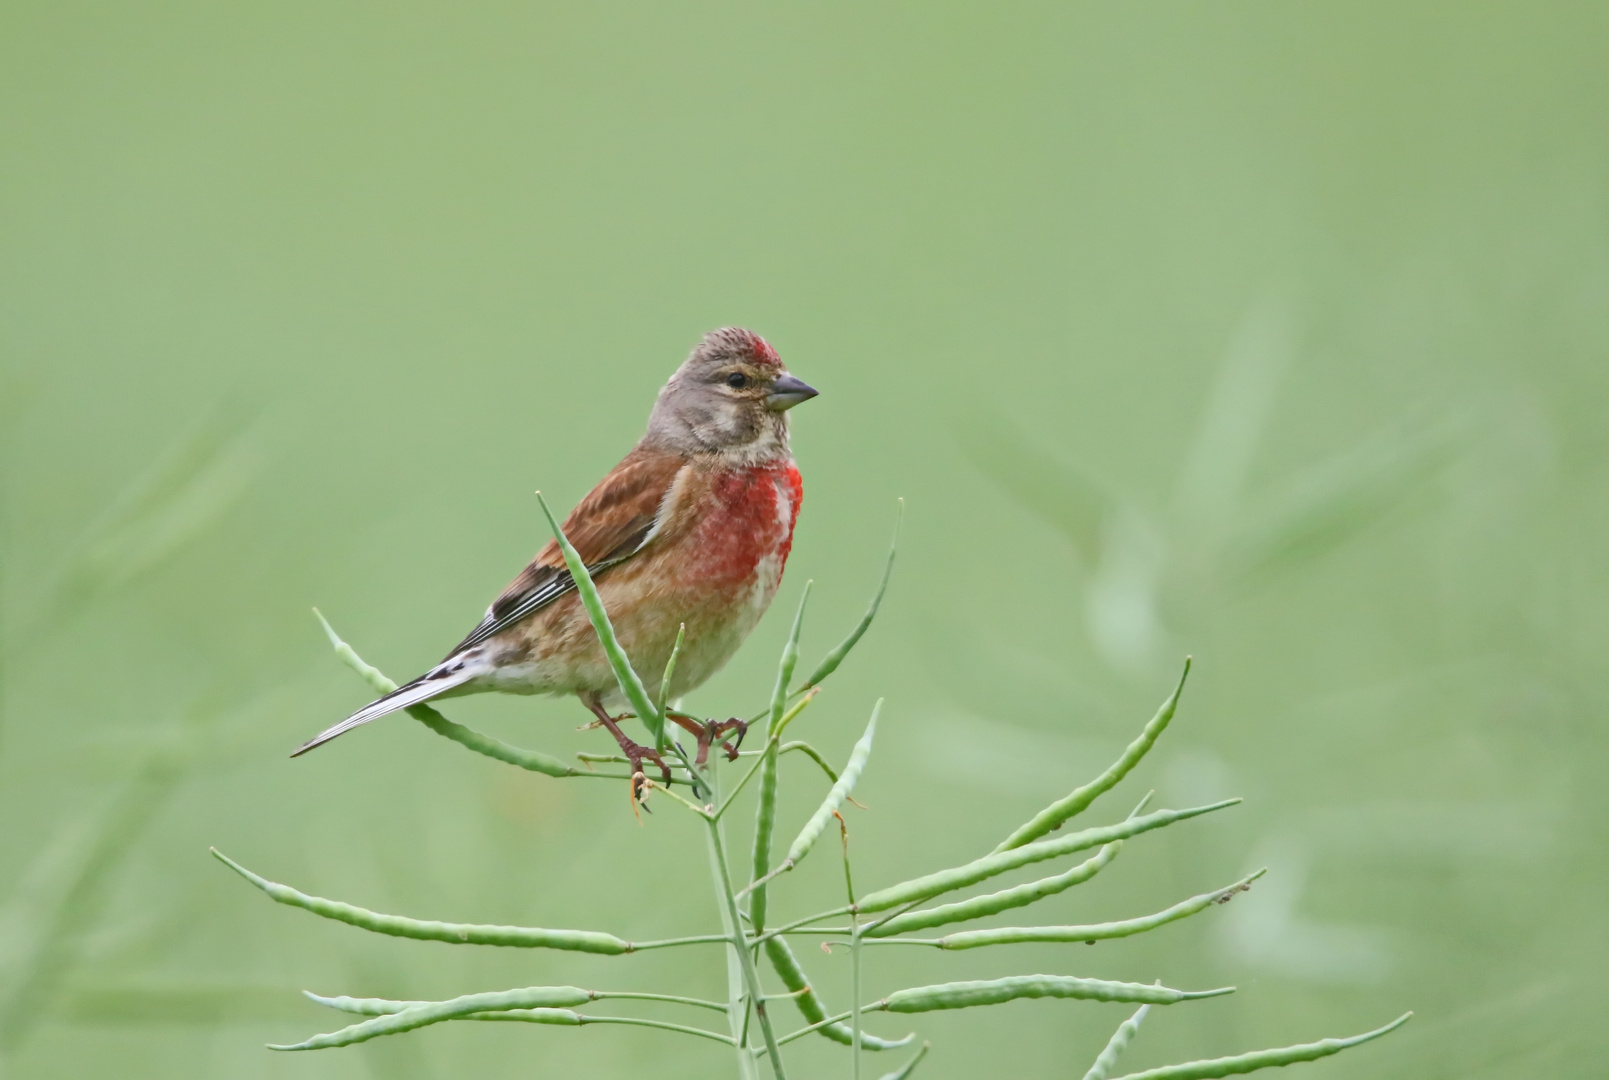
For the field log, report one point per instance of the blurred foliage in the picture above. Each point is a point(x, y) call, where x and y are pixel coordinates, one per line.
point(1271, 334)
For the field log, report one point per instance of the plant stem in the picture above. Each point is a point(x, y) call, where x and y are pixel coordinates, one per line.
point(662, 1025)
point(854, 1001)
point(740, 946)
point(671, 943)
point(737, 992)
point(788, 928)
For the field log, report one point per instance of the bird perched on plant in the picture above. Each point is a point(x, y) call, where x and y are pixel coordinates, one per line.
point(692, 528)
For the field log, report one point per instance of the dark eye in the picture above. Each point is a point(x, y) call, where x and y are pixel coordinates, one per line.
point(737, 380)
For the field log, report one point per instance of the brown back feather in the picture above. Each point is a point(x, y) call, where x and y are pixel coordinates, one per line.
point(606, 527)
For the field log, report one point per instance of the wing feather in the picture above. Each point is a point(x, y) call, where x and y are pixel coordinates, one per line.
point(609, 526)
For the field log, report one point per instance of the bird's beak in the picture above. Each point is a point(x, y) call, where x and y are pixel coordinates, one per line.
point(787, 392)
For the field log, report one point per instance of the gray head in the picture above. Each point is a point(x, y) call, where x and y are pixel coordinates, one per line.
point(730, 397)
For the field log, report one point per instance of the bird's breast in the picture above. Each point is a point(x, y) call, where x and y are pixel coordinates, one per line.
point(743, 538)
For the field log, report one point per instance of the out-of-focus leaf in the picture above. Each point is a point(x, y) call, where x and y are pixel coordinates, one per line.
point(1213, 475)
point(1340, 498)
point(182, 493)
point(1067, 498)
point(80, 868)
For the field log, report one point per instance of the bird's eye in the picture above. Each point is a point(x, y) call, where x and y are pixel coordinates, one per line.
point(737, 380)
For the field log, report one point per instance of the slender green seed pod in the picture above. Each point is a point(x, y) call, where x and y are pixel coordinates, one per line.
point(362, 1006)
point(1119, 1042)
point(964, 995)
point(959, 877)
point(1263, 1059)
point(1053, 816)
point(830, 662)
point(810, 1006)
point(419, 1016)
point(785, 666)
point(534, 760)
point(524, 937)
point(562, 1017)
point(979, 906)
point(370, 674)
point(625, 674)
point(1020, 896)
point(765, 813)
point(909, 1067)
point(765, 816)
point(386, 1007)
point(670, 669)
point(571, 1018)
point(474, 740)
point(1013, 935)
point(840, 791)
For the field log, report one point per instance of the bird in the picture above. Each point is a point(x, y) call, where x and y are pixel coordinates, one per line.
point(692, 529)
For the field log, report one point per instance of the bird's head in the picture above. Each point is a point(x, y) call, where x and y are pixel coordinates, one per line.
point(731, 396)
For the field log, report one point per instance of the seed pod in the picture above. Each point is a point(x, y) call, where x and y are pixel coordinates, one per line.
point(979, 906)
point(560, 1017)
point(630, 685)
point(785, 666)
point(1013, 935)
point(523, 937)
point(1263, 1059)
point(533, 760)
point(386, 1007)
point(840, 791)
point(964, 995)
point(362, 1006)
point(1118, 1043)
point(418, 1016)
point(909, 1067)
point(959, 877)
point(765, 816)
point(766, 811)
point(810, 1006)
point(1053, 816)
point(830, 662)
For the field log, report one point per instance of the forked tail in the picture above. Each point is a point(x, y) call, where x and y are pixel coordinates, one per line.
point(427, 686)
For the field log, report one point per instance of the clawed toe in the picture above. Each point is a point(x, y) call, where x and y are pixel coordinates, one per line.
point(734, 724)
point(708, 732)
point(635, 753)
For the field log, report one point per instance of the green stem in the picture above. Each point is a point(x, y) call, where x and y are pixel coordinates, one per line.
point(674, 999)
point(661, 1024)
point(854, 1001)
point(751, 978)
point(806, 921)
point(671, 943)
point(737, 1012)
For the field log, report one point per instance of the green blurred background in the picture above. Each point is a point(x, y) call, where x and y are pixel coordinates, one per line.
point(1272, 333)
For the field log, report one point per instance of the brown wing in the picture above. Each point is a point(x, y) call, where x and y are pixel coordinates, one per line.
point(607, 527)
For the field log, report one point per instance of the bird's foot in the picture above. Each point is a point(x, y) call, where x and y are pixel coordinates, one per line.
point(720, 729)
point(707, 732)
point(635, 753)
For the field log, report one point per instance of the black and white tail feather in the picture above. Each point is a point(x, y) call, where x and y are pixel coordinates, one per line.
point(434, 683)
point(532, 592)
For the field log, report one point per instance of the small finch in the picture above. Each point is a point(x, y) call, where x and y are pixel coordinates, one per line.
point(692, 528)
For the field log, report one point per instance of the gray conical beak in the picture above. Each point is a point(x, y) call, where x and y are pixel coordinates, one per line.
point(787, 392)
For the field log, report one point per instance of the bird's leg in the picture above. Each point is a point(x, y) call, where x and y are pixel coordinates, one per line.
point(635, 753)
point(708, 732)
